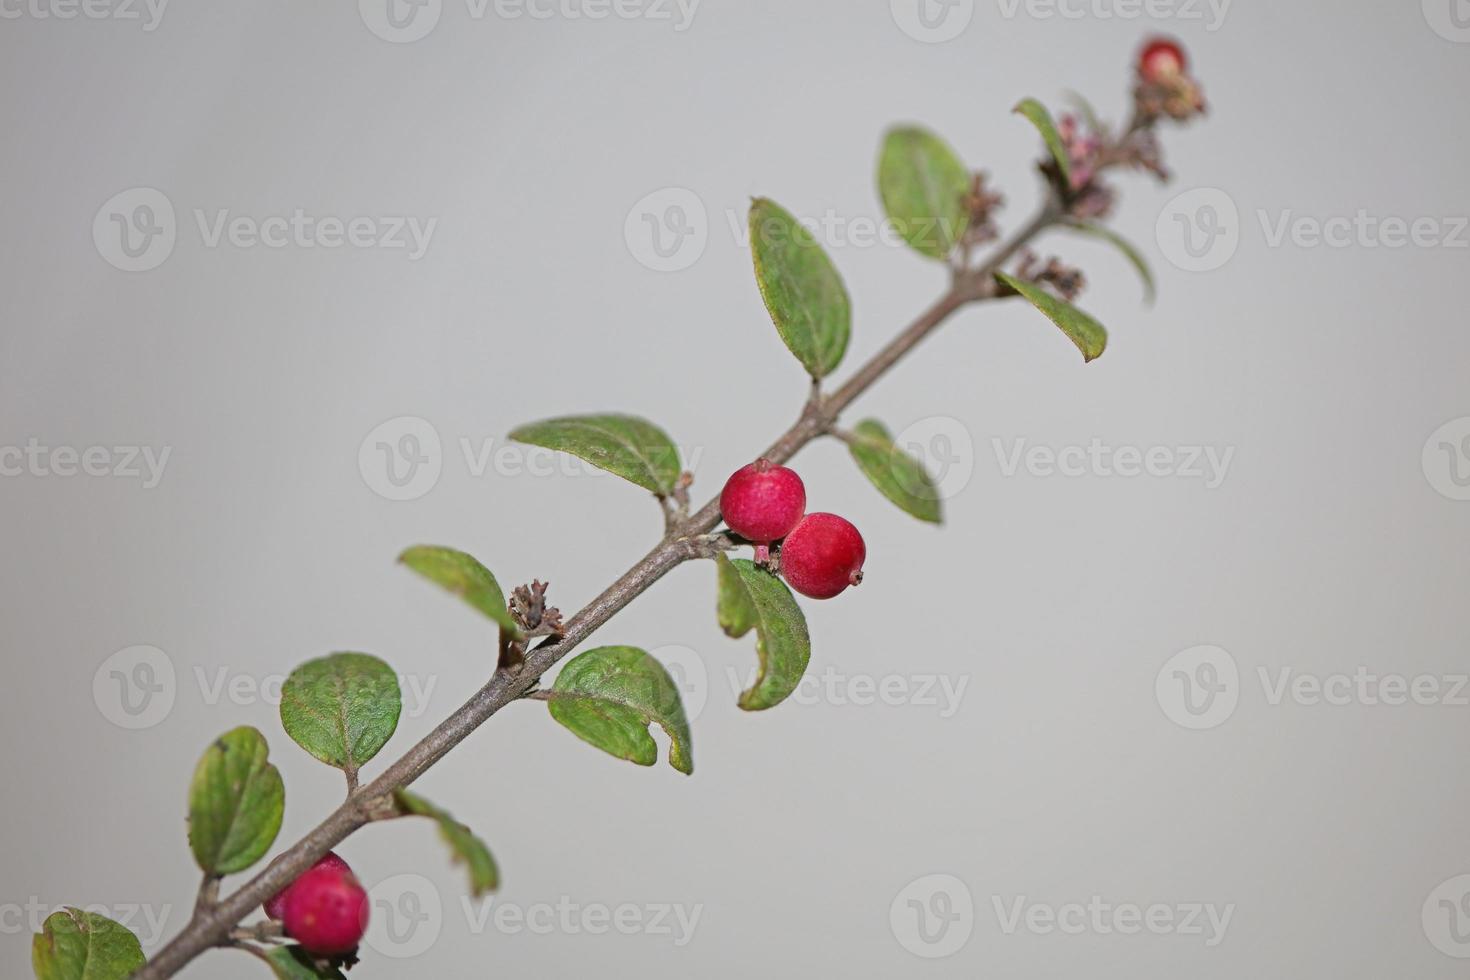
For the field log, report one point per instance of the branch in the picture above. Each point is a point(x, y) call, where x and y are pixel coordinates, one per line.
point(686, 538)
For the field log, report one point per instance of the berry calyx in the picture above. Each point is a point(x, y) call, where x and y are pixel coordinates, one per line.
point(326, 911)
point(1161, 59)
point(822, 556)
point(275, 907)
point(762, 502)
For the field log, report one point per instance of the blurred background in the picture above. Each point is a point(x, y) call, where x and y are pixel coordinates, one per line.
point(1203, 720)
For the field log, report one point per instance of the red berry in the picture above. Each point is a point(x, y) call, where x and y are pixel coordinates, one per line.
point(762, 502)
point(326, 911)
point(1161, 58)
point(822, 556)
point(275, 907)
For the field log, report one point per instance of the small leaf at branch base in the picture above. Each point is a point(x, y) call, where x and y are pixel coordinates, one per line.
point(461, 574)
point(236, 803)
point(1089, 336)
point(468, 849)
point(609, 696)
point(342, 708)
point(752, 598)
point(632, 448)
point(295, 963)
point(1041, 119)
point(1127, 248)
point(896, 474)
point(923, 185)
point(77, 945)
point(801, 287)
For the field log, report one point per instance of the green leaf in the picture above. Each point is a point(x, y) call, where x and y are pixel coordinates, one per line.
point(923, 185)
point(609, 696)
point(752, 598)
point(1086, 111)
point(632, 448)
point(1041, 119)
point(800, 285)
point(468, 849)
point(236, 802)
point(341, 708)
point(77, 945)
point(465, 577)
point(1126, 247)
point(1084, 331)
point(896, 474)
point(295, 963)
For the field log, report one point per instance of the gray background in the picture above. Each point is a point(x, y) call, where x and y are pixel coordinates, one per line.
point(1056, 599)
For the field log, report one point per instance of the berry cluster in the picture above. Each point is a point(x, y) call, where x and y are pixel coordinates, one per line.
point(819, 554)
point(325, 910)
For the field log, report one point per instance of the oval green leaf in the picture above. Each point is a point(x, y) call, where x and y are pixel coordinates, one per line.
point(236, 802)
point(1089, 336)
point(609, 696)
point(1134, 256)
point(295, 963)
point(341, 708)
point(896, 474)
point(1041, 119)
point(801, 287)
point(465, 577)
point(467, 849)
point(923, 185)
point(632, 448)
point(752, 598)
point(77, 945)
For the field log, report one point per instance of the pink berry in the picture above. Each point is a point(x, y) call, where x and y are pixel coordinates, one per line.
point(275, 908)
point(762, 502)
point(326, 911)
point(1160, 59)
point(822, 556)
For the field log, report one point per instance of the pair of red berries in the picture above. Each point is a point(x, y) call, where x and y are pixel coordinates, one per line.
point(325, 910)
point(821, 554)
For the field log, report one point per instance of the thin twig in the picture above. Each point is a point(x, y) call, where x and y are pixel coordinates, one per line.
point(686, 538)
